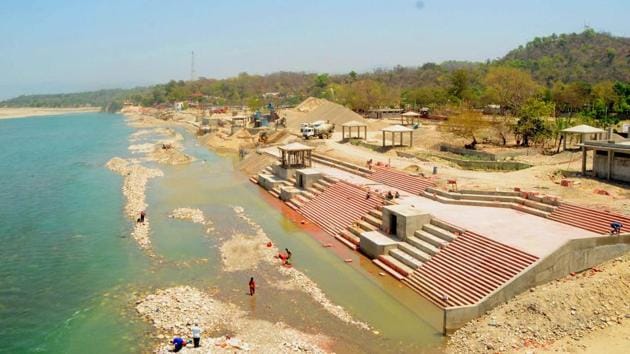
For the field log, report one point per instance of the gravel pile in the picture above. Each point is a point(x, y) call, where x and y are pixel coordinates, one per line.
point(568, 308)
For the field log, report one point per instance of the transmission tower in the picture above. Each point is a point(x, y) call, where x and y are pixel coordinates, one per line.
point(192, 66)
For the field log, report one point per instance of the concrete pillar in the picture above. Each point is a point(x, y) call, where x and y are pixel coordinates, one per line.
point(609, 164)
point(583, 160)
point(564, 142)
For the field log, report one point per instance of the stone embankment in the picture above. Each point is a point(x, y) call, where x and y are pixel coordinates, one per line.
point(568, 309)
point(134, 190)
point(226, 328)
point(247, 251)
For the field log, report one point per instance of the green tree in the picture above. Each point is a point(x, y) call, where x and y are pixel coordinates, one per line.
point(531, 125)
point(467, 124)
point(510, 87)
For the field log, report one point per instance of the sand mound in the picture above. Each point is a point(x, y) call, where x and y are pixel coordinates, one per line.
point(169, 155)
point(325, 110)
point(310, 104)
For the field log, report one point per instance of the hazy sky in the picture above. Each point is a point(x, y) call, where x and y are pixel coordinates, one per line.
point(72, 45)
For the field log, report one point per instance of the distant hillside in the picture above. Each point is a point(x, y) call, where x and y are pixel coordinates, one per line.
point(588, 56)
point(108, 100)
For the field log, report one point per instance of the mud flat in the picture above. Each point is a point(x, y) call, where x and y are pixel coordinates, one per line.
point(244, 252)
point(565, 315)
point(174, 311)
point(134, 189)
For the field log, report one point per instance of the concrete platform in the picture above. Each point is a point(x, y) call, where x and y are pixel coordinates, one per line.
point(532, 234)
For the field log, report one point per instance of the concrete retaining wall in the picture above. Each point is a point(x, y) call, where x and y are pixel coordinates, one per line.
point(574, 256)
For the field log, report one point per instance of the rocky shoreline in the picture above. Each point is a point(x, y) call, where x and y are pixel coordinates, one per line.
point(136, 177)
point(227, 328)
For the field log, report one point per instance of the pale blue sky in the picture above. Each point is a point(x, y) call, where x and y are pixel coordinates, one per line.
point(73, 45)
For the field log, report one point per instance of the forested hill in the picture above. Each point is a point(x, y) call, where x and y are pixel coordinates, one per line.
point(108, 100)
point(588, 56)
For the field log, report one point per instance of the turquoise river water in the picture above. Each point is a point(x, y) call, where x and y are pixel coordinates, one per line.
point(70, 273)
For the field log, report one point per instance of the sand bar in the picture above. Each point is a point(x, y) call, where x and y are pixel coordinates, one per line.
point(25, 112)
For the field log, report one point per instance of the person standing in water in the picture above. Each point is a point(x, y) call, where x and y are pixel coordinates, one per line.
point(252, 286)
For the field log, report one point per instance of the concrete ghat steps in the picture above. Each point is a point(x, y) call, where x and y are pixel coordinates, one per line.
point(524, 206)
point(405, 258)
point(324, 208)
point(375, 222)
point(466, 270)
point(354, 239)
point(401, 180)
point(376, 213)
point(396, 265)
point(423, 246)
point(439, 232)
point(413, 251)
point(388, 269)
point(430, 238)
point(589, 219)
point(347, 243)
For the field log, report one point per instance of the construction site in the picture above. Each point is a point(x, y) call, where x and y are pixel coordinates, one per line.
point(465, 238)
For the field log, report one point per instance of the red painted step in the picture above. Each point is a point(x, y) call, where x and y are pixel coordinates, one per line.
point(401, 180)
point(468, 269)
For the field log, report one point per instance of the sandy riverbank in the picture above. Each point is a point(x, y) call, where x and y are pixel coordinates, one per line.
point(24, 112)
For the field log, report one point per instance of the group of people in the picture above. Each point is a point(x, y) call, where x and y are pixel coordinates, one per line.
point(388, 196)
point(179, 342)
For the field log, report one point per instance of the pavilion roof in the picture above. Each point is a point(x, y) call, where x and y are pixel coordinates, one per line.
point(583, 129)
point(295, 147)
point(397, 128)
point(354, 123)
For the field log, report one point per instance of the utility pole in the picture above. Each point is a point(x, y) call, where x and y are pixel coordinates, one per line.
point(192, 66)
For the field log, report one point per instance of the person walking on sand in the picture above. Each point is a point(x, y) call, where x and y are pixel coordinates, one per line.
point(196, 334)
point(141, 218)
point(252, 286)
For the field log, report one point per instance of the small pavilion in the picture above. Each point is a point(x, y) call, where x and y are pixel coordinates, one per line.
point(400, 131)
point(239, 121)
point(582, 130)
point(409, 118)
point(295, 155)
point(352, 125)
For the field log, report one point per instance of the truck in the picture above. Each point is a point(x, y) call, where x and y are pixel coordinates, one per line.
point(321, 129)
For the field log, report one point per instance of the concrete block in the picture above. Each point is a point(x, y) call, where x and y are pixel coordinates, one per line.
point(402, 221)
point(268, 182)
point(284, 173)
point(306, 177)
point(286, 192)
point(374, 243)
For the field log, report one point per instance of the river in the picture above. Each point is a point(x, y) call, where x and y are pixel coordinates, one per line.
point(70, 273)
